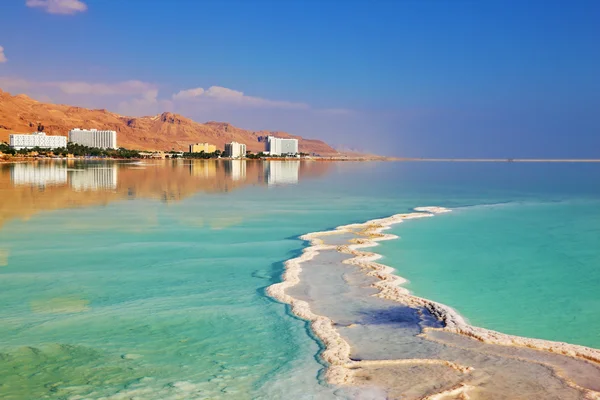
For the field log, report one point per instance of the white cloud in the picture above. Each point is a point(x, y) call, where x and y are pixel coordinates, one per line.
point(188, 94)
point(106, 89)
point(129, 97)
point(233, 97)
point(14, 83)
point(336, 111)
point(65, 7)
point(146, 103)
point(3, 58)
point(126, 88)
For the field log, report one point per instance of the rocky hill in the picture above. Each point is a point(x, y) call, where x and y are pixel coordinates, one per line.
point(167, 131)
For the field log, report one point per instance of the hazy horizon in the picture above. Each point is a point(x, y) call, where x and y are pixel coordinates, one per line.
point(411, 79)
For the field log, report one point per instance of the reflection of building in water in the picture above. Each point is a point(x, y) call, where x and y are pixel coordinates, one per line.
point(94, 178)
point(235, 169)
point(38, 174)
point(203, 169)
point(281, 172)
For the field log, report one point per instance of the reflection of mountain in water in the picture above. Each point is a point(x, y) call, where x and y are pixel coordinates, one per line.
point(28, 188)
point(282, 172)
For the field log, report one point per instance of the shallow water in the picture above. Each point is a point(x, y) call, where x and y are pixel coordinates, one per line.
point(547, 252)
point(152, 274)
point(398, 347)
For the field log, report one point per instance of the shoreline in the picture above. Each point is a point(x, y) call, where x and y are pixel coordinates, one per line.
point(340, 158)
point(508, 160)
point(337, 351)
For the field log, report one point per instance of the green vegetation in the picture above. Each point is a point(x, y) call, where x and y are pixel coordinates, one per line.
point(257, 156)
point(84, 151)
point(6, 149)
point(74, 149)
point(260, 155)
point(78, 150)
point(203, 155)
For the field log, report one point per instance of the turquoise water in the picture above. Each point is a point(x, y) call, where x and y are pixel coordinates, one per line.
point(530, 269)
point(123, 280)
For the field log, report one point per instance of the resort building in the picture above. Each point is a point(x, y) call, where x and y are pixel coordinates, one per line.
point(94, 138)
point(282, 172)
point(36, 139)
point(235, 150)
point(202, 147)
point(152, 154)
point(278, 146)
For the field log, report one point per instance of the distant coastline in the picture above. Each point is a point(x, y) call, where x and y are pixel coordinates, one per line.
point(560, 160)
point(354, 158)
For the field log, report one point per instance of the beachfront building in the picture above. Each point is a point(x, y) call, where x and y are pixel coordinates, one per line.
point(235, 150)
point(94, 138)
point(37, 139)
point(279, 146)
point(202, 147)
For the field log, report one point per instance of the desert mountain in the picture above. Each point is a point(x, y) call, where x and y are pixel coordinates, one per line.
point(167, 131)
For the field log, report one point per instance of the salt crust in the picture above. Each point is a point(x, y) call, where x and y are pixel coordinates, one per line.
point(337, 351)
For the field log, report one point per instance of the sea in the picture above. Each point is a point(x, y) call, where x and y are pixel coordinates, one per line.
point(146, 279)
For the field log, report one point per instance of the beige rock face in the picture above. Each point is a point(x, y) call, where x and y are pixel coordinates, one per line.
point(166, 131)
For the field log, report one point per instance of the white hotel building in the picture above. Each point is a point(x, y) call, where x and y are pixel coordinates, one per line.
point(235, 150)
point(94, 138)
point(278, 146)
point(36, 139)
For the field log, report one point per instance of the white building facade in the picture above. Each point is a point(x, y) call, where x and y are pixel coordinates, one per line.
point(278, 146)
point(36, 139)
point(235, 150)
point(94, 138)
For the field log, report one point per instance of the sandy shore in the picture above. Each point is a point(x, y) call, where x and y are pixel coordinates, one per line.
point(446, 359)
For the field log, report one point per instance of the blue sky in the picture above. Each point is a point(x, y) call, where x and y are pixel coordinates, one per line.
point(414, 78)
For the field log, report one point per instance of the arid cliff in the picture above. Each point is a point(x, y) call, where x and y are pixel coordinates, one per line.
point(166, 131)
